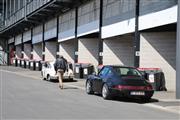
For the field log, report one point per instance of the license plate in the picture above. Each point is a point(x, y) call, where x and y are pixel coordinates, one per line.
point(137, 93)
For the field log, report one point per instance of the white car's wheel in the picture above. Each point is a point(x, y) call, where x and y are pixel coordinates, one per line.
point(48, 78)
point(43, 78)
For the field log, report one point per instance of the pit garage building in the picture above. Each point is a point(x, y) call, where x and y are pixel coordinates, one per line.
point(139, 33)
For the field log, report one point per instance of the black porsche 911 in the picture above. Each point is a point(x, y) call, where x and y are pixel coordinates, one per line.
point(121, 81)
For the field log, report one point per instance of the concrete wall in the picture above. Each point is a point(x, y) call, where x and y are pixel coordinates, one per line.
point(27, 50)
point(66, 49)
point(37, 51)
point(50, 50)
point(118, 50)
point(88, 18)
point(88, 51)
point(158, 49)
point(118, 17)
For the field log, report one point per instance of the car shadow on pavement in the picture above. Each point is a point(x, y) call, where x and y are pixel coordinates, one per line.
point(135, 100)
point(65, 81)
point(131, 100)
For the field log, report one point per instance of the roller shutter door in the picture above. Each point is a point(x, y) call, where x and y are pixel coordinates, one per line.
point(67, 50)
point(37, 51)
point(118, 50)
point(18, 51)
point(88, 51)
point(27, 51)
point(50, 51)
point(158, 49)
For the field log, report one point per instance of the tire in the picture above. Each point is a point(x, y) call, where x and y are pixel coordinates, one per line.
point(43, 78)
point(89, 89)
point(105, 92)
point(48, 78)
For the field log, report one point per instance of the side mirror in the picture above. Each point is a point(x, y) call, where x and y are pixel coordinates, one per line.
point(144, 75)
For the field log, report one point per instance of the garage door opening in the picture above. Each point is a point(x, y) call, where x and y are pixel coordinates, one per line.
point(18, 51)
point(11, 53)
point(118, 50)
point(66, 49)
point(50, 50)
point(88, 50)
point(158, 50)
point(37, 51)
point(27, 51)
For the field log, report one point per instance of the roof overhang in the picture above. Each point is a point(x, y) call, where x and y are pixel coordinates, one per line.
point(50, 10)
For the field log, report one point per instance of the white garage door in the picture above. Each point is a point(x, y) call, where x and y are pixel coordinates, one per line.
point(37, 51)
point(158, 50)
point(88, 51)
point(50, 50)
point(66, 49)
point(118, 50)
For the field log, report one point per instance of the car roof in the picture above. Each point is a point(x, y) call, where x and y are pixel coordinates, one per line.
point(118, 66)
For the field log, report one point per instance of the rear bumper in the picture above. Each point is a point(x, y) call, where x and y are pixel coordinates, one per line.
point(128, 93)
point(68, 77)
point(64, 77)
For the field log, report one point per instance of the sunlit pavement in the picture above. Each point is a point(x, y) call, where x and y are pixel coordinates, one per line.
point(26, 96)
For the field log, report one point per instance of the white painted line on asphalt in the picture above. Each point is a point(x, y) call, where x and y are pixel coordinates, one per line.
point(172, 100)
point(162, 108)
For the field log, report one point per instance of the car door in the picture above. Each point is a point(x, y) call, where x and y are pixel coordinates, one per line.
point(43, 70)
point(98, 80)
point(46, 71)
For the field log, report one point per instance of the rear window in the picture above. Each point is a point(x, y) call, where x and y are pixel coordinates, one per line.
point(125, 71)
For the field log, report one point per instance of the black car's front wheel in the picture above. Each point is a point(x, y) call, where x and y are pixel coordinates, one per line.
point(89, 89)
point(105, 92)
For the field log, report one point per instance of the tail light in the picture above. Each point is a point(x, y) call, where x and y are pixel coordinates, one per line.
point(149, 87)
point(124, 87)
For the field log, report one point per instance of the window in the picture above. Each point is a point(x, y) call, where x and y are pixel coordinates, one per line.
point(105, 72)
point(123, 71)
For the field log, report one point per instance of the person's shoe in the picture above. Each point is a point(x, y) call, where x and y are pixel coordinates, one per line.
point(61, 87)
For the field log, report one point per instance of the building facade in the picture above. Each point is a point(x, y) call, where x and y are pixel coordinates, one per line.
point(139, 33)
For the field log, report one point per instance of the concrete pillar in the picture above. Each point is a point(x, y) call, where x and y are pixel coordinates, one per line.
point(178, 55)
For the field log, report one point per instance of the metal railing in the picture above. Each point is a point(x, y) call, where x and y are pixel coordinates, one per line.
point(23, 12)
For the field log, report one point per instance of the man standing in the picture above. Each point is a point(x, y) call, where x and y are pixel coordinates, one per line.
point(60, 66)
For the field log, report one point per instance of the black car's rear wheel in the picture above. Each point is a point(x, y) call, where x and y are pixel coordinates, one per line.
point(89, 89)
point(105, 92)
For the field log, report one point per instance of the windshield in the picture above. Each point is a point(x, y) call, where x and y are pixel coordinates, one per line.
point(126, 71)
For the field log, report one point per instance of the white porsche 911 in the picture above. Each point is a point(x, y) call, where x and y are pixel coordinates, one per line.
point(48, 72)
